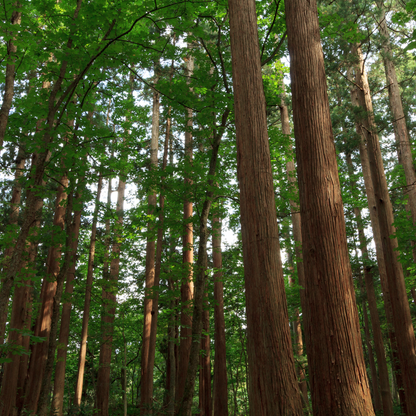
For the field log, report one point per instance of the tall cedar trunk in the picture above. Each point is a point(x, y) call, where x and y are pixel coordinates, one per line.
point(146, 375)
point(13, 219)
point(205, 401)
point(404, 148)
point(10, 75)
point(109, 298)
point(158, 262)
point(49, 285)
point(59, 380)
point(44, 394)
point(187, 287)
point(297, 236)
point(87, 301)
point(331, 321)
point(185, 408)
point(273, 387)
point(368, 182)
point(220, 363)
point(395, 279)
point(375, 320)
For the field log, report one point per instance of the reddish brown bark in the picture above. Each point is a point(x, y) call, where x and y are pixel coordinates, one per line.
point(59, 380)
point(402, 321)
point(10, 75)
point(220, 363)
point(187, 287)
point(107, 319)
point(273, 388)
point(205, 402)
point(146, 372)
point(331, 321)
point(87, 301)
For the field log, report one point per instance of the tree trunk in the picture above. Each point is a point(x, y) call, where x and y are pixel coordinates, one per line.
point(59, 380)
point(49, 285)
point(395, 279)
point(146, 395)
point(220, 363)
point(205, 402)
point(109, 298)
point(375, 321)
point(273, 387)
point(297, 236)
point(187, 287)
point(87, 301)
point(10, 75)
point(331, 321)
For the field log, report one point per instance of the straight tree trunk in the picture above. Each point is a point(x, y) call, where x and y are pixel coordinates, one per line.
point(146, 375)
point(109, 298)
point(273, 387)
point(375, 320)
point(87, 301)
point(205, 401)
point(59, 380)
point(10, 74)
point(43, 323)
point(402, 321)
point(331, 321)
point(187, 287)
point(297, 236)
point(220, 363)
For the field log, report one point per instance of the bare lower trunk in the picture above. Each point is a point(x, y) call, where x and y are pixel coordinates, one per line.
point(395, 279)
point(273, 387)
point(205, 402)
point(87, 301)
point(59, 380)
point(220, 363)
point(187, 287)
point(332, 331)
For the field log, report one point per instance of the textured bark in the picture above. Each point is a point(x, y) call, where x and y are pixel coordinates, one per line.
point(273, 387)
point(375, 320)
point(43, 324)
point(147, 374)
point(187, 287)
point(10, 75)
point(205, 401)
point(338, 378)
point(107, 319)
point(220, 363)
point(402, 321)
point(59, 380)
point(297, 236)
point(87, 301)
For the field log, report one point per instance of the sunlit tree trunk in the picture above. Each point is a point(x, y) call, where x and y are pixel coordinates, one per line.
point(332, 331)
point(273, 387)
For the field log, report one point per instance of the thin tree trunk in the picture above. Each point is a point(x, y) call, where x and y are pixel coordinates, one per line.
point(395, 279)
point(273, 387)
point(10, 75)
point(297, 236)
point(187, 287)
point(220, 363)
point(185, 408)
point(59, 380)
point(87, 301)
point(331, 321)
point(146, 375)
point(205, 401)
point(375, 320)
point(109, 298)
